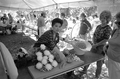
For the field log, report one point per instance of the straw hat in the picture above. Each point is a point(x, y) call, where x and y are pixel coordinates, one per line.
point(83, 45)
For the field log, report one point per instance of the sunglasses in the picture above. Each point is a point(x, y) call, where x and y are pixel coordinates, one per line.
point(117, 22)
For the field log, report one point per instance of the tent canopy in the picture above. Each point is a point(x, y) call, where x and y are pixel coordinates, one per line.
point(37, 4)
point(112, 5)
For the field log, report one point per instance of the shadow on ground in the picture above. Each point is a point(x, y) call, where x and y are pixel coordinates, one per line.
point(13, 42)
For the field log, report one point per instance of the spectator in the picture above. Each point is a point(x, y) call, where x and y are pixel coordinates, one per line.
point(10, 18)
point(65, 23)
point(85, 27)
point(100, 37)
point(22, 21)
point(41, 23)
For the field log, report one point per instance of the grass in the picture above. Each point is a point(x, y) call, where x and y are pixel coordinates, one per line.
point(13, 42)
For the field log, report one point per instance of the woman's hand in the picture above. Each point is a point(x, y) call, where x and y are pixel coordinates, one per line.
point(105, 48)
point(63, 63)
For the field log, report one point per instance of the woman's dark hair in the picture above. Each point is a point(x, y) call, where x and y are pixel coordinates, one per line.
point(57, 20)
point(106, 15)
point(83, 14)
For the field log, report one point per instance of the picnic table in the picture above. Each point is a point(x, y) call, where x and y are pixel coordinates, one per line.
point(87, 58)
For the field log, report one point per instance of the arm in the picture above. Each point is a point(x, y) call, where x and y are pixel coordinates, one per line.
point(105, 48)
point(90, 27)
point(102, 42)
point(56, 50)
point(66, 23)
point(47, 21)
point(61, 56)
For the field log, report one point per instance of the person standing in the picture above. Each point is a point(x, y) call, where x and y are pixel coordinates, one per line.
point(10, 18)
point(65, 23)
point(100, 37)
point(112, 51)
point(41, 23)
point(85, 27)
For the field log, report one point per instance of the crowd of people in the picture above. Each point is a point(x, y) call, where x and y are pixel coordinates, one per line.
point(104, 40)
point(100, 38)
point(7, 24)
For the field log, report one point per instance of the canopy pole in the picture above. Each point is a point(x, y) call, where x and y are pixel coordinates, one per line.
point(55, 4)
point(27, 5)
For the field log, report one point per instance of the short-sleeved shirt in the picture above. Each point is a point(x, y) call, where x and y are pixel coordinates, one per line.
point(101, 33)
point(40, 22)
point(49, 39)
point(84, 27)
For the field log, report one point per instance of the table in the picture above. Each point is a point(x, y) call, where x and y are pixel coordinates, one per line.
point(36, 74)
point(88, 57)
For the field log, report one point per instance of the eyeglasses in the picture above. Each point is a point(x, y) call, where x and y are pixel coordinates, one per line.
point(117, 22)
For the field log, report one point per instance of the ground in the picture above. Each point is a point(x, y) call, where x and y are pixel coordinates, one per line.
point(15, 41)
